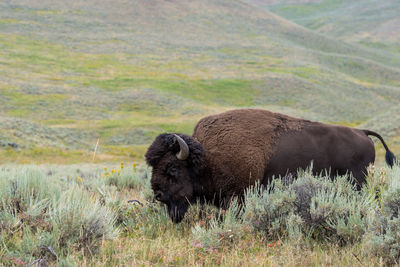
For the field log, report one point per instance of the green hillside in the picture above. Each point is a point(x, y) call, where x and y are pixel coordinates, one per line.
point(370, 23)
point(122, 72)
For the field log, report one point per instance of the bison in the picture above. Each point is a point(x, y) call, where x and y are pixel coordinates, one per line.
point(230, 151)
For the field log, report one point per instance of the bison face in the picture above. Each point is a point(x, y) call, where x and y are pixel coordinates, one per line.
point(176, 161)
point(172, 185)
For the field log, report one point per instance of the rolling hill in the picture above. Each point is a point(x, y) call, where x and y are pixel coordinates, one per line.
point(124, 71)
point(370, 23)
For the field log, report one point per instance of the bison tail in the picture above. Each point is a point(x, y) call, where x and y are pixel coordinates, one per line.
point(390, 158)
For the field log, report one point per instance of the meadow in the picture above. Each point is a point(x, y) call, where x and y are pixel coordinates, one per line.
point(84, 215)
point(87, 85)
point(121, 74)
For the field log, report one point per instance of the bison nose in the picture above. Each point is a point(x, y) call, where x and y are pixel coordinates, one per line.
point(158, 195)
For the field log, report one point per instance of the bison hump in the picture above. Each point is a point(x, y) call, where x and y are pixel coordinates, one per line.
point(239, 143)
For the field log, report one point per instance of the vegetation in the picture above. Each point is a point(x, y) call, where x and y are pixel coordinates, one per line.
point(71, 77)
point(344, 20)
point(107, 216)
point(95, 83)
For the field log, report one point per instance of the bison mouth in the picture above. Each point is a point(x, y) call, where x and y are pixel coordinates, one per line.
point(177, 212)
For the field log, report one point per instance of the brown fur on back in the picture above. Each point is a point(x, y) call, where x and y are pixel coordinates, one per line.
point(239, 143)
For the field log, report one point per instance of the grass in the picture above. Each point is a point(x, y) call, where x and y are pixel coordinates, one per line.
point(308, 9)
point(223, 91)
point(121, 84)
point(51, 155)
point(74, 75)
point(362, 22)
point(143, 234)
point(125, 103)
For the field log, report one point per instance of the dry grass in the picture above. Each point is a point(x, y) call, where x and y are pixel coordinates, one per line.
point(147, 235)
point(180, 252)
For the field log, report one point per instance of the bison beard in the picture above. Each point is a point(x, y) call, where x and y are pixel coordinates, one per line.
point(177, 212)
point(230, 151)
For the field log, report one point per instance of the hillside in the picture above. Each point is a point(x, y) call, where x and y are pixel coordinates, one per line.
point(370, 23)
point(124, 71)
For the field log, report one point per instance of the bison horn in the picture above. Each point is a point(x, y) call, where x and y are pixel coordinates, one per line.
point(183, 154)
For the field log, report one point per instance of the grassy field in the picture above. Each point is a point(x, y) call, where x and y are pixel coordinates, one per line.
point(86, 85)
point(121, 74)
point(79, 215)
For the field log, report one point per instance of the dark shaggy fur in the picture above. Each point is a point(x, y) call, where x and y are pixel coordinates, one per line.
point(174, 181)
point(232, 150)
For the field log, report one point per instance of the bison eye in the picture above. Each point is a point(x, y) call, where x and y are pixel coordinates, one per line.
point(172, 173)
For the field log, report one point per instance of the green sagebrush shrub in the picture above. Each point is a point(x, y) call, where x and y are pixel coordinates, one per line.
point(25, 196)
point(40, 212)
point(80, 221)
point(150, 219)
point(383, 236)
point(308, 208)
point(313, 207)
point(224, 229)
point(127, 179)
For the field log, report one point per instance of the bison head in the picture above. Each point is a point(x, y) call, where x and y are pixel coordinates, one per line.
point(177, 161)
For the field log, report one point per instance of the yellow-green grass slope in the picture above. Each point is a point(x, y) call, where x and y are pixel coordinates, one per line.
point(120, 73)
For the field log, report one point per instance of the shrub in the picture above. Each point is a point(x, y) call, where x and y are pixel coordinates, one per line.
point(223, 230)
point(25, 196)
point(126, 178)
point(80, 221)
point(150, 218)
point(40, 212)
point(383, 237)
point(310, 206)
point(266, 209)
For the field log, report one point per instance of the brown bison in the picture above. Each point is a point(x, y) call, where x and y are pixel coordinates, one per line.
point(232, 150)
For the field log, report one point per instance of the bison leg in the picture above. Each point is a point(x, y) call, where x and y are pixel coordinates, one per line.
point(225, 202)
point(359, 175)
